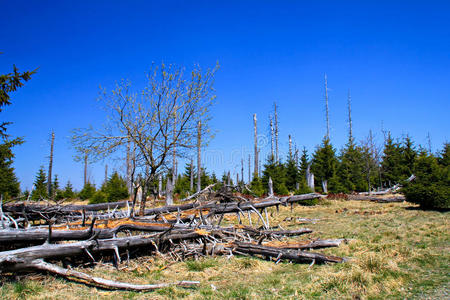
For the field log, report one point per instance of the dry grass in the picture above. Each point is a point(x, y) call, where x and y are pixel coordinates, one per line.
point(395, 251)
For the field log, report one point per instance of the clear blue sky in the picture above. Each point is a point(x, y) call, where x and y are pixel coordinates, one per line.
point(394, 56)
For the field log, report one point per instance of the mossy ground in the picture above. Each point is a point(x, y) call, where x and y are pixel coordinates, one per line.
point(394, 250)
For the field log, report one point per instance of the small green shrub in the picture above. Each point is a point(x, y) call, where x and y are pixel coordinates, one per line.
point(431, 187)
point(87, 192)
point(99, 197)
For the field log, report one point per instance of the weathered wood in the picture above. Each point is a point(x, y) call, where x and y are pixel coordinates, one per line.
point(286, 254)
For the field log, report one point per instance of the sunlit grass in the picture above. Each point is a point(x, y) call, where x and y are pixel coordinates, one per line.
point(394, 252)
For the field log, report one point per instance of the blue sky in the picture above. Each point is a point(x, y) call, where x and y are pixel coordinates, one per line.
point(392, 55)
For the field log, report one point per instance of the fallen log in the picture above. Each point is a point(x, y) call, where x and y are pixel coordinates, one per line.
point(41, 265)
point(286, 254)
point(377, 199)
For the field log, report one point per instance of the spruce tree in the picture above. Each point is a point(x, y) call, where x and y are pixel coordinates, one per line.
point(444, 158)
point(277, 172)
point(391, 165)
point(115, 188)
point(68, 192)
point(324, 166)
point(351, 174)
point(292, 174)
point(87, 192)
point(431, 187)
point(10, 82)
point(40, 186)
point(409, 154)
point(9, 185)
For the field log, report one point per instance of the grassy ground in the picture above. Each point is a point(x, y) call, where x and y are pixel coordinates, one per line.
point(395, 251)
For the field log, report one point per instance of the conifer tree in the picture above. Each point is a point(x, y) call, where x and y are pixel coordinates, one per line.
point(10, 82)
point(292, 174)
point(9, 185)
point(68, 192)
point(391, 165)
point(87, 192)
point(277, 172)
point(444, 158)
point(351, 168)
point(431, 187)
point(409, 155)
point(40, 186)
point(115, 188)
point(324, 166)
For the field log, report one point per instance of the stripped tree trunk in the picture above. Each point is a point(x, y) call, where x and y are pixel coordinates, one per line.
point(199, 158)
point(256, 144)
point(50, 166)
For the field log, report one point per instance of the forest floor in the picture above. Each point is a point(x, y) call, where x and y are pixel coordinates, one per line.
point(395, 250)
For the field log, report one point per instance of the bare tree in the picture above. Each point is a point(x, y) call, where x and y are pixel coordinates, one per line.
point(326, 108)
point(350, 124)
point(255, 130)
point(199, 156)
point(148, 119)
point(50, 167)
point(276, 131)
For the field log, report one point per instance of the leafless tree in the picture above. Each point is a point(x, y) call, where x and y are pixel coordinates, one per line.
point(156, 119)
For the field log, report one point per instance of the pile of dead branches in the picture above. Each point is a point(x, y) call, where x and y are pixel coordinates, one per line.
point(37, 237)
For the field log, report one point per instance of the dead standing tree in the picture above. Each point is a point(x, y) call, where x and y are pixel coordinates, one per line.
point(50, 167)
point(159, 118)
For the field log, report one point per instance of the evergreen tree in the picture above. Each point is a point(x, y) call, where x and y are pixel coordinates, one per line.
point(10, 82)
point(431, 187)
point(57, 192)
point(391, 165)
point(409, 155)
point(444, 158)
point(304, 162)
point(351, 174)
point(277, 172)
point(87, 192)
point(324, 167)
point(40, 186)
point(68, 192)
point(292, 174)
point(115, 188)
point(9, 185)
point(257, 187)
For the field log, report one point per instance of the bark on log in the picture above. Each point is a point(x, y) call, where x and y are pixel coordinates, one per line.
point(292, 255)
point(41, 265)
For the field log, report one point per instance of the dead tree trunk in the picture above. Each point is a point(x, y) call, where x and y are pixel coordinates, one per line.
point(199, 157)
point(326, 108)
point(276, 132)
point(191, 183)
point(50, 167)
point(270, 187)
point(256, 145)
point(85, 167)
point(169, 192)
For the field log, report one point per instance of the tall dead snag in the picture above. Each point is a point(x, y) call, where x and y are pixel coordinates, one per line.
point(350, 128)
point(276, 131)
point(106, 173)
point(174, 154)
point(169, 191)
point(256, 145)
point(326, 108)
point(272, 142)
point(199, 156)
point(242, 170)
point(50, 167)
point(290, 147)
point(249, 170)
point(191, 183)
point(85, 167)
